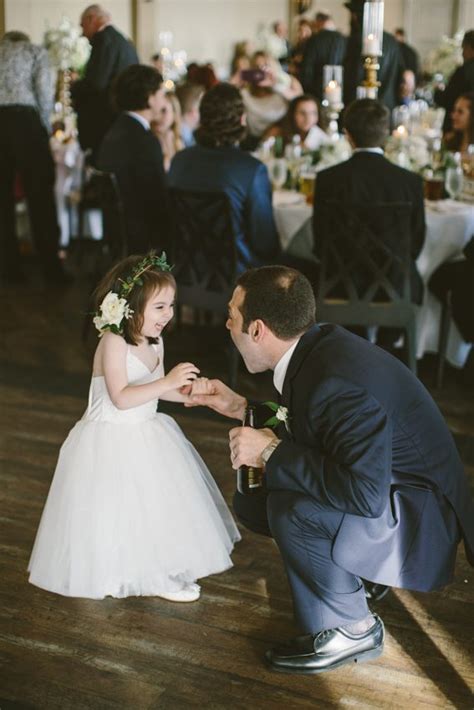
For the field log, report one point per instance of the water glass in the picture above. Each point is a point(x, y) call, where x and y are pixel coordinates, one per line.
point(454, 181)
point(278, 169)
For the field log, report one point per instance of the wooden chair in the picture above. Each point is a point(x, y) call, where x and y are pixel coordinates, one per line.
point(366, 266)
point(204, 254)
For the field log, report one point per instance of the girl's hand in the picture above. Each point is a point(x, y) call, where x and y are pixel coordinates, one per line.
point(182, 375)
point(201, 385)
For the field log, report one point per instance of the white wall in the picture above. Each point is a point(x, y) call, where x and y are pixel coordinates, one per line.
point(208, 29)
point(33, 16)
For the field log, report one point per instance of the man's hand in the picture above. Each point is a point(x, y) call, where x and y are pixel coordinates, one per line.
point(220, 398)
point(246, 445)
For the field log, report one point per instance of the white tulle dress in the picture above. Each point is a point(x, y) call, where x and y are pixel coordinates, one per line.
point(132, 508)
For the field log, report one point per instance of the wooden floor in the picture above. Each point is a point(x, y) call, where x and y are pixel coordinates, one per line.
point(142, 653)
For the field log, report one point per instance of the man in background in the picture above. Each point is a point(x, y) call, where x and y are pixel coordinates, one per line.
point(326, 46)
point(409, 54)
point(460, 82)
point(111, 53)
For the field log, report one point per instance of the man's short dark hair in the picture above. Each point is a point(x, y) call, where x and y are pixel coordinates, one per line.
point(189, 96)
point(468, 39)
point(279, 296)
point(322, 17)
point(368, 123)
point(221, 112)
point(134, 86)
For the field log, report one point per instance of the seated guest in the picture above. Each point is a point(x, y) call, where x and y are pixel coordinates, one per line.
point(167, 128)
point(133, 153)
point(368, 177)
point(189, 97)
point(216, 163)
point(300, 120)
point(462, 119)
point(266, 95)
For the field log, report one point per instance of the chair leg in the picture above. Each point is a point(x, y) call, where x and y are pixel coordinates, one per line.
point(443, 339)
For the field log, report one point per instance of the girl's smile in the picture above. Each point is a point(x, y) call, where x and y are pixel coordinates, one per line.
point(158, 312)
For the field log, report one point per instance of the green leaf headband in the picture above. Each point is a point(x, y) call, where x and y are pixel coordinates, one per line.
point(115, 308)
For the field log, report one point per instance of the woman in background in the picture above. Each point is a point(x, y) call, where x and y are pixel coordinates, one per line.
point(300, 120)
point(168, 129)
point(462, 133)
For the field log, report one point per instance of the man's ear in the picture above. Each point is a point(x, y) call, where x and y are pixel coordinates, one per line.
point(257, 330)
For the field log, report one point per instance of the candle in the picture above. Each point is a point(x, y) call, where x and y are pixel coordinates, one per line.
point(371, 46)
point(333, 93)
point(401, 133)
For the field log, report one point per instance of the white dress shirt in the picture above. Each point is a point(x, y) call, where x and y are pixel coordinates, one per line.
point(140, 119)
point(281, 367)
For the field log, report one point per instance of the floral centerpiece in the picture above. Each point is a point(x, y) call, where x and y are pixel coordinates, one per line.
point(67, 48)
point(442, 61)
point(408, 151)
point(332, 153)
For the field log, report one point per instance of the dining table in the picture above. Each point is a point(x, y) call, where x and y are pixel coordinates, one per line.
point(449, 227)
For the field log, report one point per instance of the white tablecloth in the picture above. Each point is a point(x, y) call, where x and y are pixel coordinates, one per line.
point(449, 227)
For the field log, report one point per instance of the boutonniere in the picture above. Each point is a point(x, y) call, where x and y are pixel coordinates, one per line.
point(280, 415)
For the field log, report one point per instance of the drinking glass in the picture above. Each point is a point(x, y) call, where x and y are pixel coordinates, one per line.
point(278, 172)
point(454, 181)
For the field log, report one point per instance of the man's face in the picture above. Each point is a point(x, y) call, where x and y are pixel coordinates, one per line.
point(89, 25)
point(157, 102)
point(467, 52)
point(252, 352)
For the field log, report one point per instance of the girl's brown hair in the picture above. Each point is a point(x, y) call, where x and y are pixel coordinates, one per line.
point(153, 279)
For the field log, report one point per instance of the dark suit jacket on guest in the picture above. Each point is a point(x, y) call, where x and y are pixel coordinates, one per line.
point(111, 53)
point(369, 177)
point(367, 440)
point(460, 82)
point(245, 180)
point(325, 47)
point(134, 155)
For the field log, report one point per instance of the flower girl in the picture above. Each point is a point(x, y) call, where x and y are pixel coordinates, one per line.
point(132, 508)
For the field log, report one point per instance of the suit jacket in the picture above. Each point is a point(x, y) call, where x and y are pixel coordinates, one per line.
point(370, 177)
point(460, 82)
point(325, 47)
point(134, 155)
point(245, 180)
point(111, 54)
point(390, 73)
point(367, 440)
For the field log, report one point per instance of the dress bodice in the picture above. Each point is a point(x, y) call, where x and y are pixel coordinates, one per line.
point(101, 408)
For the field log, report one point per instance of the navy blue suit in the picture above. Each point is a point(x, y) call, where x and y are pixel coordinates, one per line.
point(245, 180)
point(367, 484)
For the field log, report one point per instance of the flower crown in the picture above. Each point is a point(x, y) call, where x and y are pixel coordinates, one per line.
point(114, 309)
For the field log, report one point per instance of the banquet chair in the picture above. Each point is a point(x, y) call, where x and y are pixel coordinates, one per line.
point(204, 255)
point(365, 267)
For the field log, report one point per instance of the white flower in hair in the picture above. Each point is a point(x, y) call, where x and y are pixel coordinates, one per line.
point(113, 310)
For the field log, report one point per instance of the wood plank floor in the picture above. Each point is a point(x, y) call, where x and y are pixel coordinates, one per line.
point(143, 653)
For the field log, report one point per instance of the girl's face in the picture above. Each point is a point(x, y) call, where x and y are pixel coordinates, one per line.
point(166, 117)
point(158, 312)
point(306, 116)
point(461, 115)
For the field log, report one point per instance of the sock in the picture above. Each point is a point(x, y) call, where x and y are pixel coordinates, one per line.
point(361, 626)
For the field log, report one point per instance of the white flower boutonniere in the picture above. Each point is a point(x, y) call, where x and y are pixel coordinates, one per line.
point(280, 415)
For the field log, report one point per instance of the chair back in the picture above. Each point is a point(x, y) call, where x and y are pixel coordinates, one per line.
point(204, 248)
point(106, 188)
point(366, 263)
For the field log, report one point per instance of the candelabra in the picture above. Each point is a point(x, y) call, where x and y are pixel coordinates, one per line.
point(332, 101)
point(372, 38)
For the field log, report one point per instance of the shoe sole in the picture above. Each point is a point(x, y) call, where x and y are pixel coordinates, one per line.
point(370, 655)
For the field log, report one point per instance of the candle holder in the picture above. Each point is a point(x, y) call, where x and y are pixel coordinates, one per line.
point(332, 102)
point(372, 38)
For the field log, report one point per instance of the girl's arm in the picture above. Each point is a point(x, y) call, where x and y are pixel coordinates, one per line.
point(200, 386)
point(126, 396)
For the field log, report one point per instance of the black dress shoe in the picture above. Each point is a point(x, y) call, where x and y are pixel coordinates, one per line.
point(327, 650)
point(375, 592)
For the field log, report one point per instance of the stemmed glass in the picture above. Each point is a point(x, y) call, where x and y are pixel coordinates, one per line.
point(278, 172)
point(454, 181)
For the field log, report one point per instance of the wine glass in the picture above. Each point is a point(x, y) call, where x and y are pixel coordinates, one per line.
point(278, 172)
point(454, 181)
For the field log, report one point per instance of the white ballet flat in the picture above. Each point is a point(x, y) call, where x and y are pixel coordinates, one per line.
point(190, 593)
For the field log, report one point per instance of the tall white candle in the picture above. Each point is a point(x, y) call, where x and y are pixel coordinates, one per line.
point(371, 46)
point(333, 93)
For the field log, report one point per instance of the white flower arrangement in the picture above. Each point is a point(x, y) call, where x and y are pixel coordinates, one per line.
point(333, 153)
point(112, 311)
point(409, 152)
point(67, 48)
point(446, 57)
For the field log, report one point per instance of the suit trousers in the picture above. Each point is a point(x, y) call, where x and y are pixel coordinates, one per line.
point(24, 149)
point(325, 595)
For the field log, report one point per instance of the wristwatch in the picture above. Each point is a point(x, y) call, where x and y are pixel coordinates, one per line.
point(269, 449)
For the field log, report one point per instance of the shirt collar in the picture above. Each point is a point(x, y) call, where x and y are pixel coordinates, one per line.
point(379, 151)
point(140, 119)
point(281, 367)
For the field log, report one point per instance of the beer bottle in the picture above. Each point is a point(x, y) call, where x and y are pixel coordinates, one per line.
point(249, 478)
